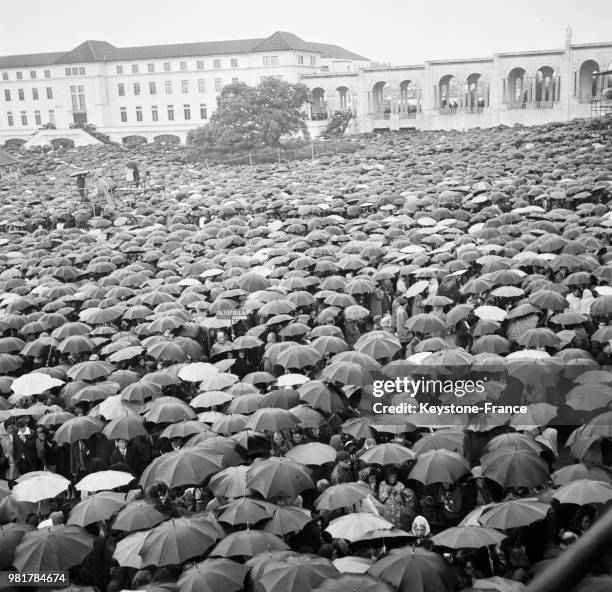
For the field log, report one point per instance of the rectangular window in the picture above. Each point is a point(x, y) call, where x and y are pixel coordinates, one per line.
point(274, 60)
point(138, 113)
point(21, 94)
point(235, 79)
point(300, 59)
point(203, 112)
point(24, 118)
point(37, 118)
point(166, 66)
point(77, 95)
point(47, 73)
point(123, 114)
point(218, 84)
point(168, 87)
point(152, 88)
point(81, 70)
point(7, 94)
point(200, 64)
point(313, 60)
point(266, 60)
point(121, 89)
point(11, 121)
point(52, 116)
point(19, 75)
point(136, 88)
point(184, 86)
point(67, 71)
point(150, 67)
point(324, 68)
point(134, 68)
point(32, 74)
point(35, 94)
point(119, 69)
point(75, 71)
point(234, 62)
point(216, 63)
point(187, 112)
point(201, 85)
point(154, 113)
point(5, 76)
point(49, 92)
point(270, 60)
point(170, 112)
point(183, 66)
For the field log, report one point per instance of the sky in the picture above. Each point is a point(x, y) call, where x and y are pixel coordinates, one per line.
point(401, 32)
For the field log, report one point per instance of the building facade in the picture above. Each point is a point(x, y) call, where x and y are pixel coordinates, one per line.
point(159, 93)
point(154, 92)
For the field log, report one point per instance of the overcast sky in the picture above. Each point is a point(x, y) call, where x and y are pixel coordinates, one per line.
point(402, 32)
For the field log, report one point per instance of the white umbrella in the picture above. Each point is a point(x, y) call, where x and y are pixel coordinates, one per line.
point(490, 313)
point(34, 383)
point(416, 288)
point(40, 486)
point(355, 525)
point(197, 372)
point(104, 481)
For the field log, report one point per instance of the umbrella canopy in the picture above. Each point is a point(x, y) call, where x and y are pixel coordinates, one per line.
point(313, 453)
point(354, 526)
point(34, 487)
point(287, 519)
point(351, 581)
point(468, 537)
point(439, 466)
point(387, 454)
point(584, 491)
point(137, 515)
point(248, 543)
point(213, 575)
point(514, 468)
point(96, 508)
point(514, 513)
point(278, 477)
point(104, 481)
point(343, 495)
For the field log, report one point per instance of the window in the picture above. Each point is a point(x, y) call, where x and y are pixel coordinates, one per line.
point(184, 86)
point(183, 66)
point(123, 114)
point(47, 73)
point(200, 64)
point(134, 68)
point(24, 118)
point(150, 67)
point(324, 68)
point(121, 89)
point(201, 85)
point(11, 121)
point(216, 63)
point(21, 94)
point(37, 118)
point(4, 75)
point(52, 116)
point(19, 75)
point(81, 70)
point(35, 94)
point(203, 112)
point(67, 71)
point(234, 62)
point(152, 88)
point(168, 87)
point(7, 94)
point(300, 59)
point(138, 113)
point(154, 113)
point(270, 60)
point(170, 112)
point(77, 94)
point(235, 79)
point(218, 84)
point(136, 88)
point(187, 112)
point(313, 60)
point(166, 66)
point(75, 71)
point(32, 74)
point(49, 92)
point(119, 69)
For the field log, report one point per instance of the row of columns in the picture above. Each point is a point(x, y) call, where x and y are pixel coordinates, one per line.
point(532, 90)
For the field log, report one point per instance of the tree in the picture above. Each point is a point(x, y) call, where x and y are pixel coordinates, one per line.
point(247, 117)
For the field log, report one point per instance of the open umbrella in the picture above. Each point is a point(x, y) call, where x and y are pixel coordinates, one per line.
point(248, 543)
point(356, 525)
point(137, 515)
point(39, 486)
point(104, 481)
point(313, 453)
point(96, 508)
point(514, 513)
point(354, 581)
point(388, 454)
point(342, 495)
point(514, 468)
point(127, 550)
point(213, 575)
point(278, 477)
point(584, 491)
point(287, 519)
point(439, 466)
point(467, 537)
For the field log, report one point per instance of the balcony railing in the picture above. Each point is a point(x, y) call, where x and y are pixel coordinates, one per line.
point(476, 110)
point(517, 106)
point(381, 115)
point(408, 115)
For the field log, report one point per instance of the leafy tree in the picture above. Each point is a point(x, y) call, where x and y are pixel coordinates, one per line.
point(247, 117)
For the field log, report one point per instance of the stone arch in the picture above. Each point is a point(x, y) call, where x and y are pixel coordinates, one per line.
point(476, 93)
point(14, 143)
point(382, 100)
point(319, 104)
point(134, 140)
point(545, 80)
point(409, 98)
point(587, 83)
point(62, 143)
point(517, 91)
point(167, 139)
point(342, 99)
point(449, 93)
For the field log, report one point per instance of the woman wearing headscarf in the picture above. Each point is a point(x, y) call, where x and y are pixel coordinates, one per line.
point(390, 494)
point(421, 531)
point(586, 301)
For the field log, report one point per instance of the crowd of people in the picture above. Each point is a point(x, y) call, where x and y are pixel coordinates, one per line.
point(188, 382)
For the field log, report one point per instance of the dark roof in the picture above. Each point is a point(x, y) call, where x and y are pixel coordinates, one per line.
point(335, 51)
point(6, 159)
point(102, 51)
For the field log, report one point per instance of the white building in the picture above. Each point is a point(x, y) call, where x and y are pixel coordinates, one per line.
point(149, 92)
